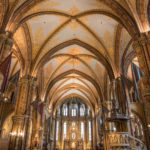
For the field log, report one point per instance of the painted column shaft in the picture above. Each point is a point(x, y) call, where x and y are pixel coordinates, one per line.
point(21, 129)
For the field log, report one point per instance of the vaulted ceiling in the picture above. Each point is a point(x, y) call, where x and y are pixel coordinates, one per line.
point(74, 47)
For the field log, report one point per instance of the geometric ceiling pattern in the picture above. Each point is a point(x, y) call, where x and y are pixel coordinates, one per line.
point(74, 47)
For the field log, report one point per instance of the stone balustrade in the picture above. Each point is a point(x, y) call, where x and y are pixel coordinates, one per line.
point(123, 141)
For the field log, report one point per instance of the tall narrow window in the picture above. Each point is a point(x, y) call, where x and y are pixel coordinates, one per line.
point(82, 130)
point(57, 130)
point(81, 111)
point(65, 111)
point(73, 112)
point(88, 111)
point(90, 129)
point(65, 130)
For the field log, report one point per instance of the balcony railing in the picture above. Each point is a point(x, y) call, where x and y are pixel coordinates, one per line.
point(122, 140)
point(137, 144)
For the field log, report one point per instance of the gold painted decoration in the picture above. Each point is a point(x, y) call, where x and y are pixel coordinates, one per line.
point(74, 10)
point(73, 24)
point(74, 52)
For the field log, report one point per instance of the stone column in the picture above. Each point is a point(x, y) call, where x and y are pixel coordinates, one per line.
point(94, 142)
point(43, 119)
point(21, 129)
point(35, 129)
point(96, 124)
point(142, 47)
point(6, 43)
point(50, 128)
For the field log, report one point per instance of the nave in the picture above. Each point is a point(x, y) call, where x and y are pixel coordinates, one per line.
point(74, 75)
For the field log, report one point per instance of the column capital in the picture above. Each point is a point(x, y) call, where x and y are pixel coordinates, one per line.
point(21, 117)
point(3, 37)
point(143, 39)
point(27, 78)
point(9, 42)
point(7, 36)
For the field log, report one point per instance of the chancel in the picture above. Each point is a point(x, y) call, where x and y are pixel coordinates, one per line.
point(74, 74)
point(74, 125)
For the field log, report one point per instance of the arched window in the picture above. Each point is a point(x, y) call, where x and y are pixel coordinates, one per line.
point(82, 130)
point(57, 130)
point(65, 111)
point(74, 112)
point(88, 111)
point(65, 130)
point(90, 130)
point(81, 111)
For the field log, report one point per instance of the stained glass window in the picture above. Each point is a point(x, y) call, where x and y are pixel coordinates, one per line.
point(65, 111)
point(73, 112)
point(57, 130)
point(82, 130)
point(65, 130)
point(81, 111)
point(90, 135)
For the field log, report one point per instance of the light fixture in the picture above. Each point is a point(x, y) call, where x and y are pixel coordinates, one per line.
point(132, 116)
point(5, 99)
point(19, 134)
point(13, 133)
point(149, 125)
point(114, 128)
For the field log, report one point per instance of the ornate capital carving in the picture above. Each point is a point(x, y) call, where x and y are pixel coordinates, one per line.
point(3, 37)
point(9, 42)
point(143, 39)
point(7, 36)
point(27, 79)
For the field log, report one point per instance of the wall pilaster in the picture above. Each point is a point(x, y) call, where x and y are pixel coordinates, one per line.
point(21, 130)
point(142, 47)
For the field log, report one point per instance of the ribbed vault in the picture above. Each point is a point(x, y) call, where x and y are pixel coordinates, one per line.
point(74, 48)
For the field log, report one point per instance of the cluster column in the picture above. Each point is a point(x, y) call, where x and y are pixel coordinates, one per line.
point(142, 48)
point(21, 129)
